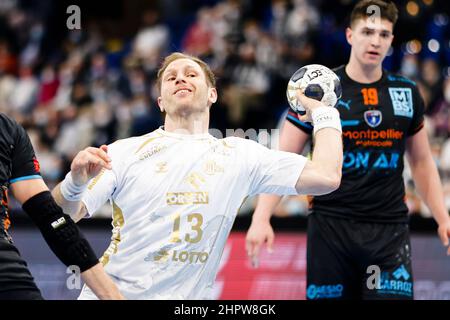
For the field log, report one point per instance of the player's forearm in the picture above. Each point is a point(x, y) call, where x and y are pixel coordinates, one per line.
point(72, 208)
point(429, 187)
point(101, 284)
point(265, 207)
point(327, 155)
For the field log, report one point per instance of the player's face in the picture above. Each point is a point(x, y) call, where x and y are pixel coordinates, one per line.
point(184, 88)
point(370, 40)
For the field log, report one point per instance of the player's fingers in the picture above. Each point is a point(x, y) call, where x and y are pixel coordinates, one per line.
point(89, 159)
point(270, 239)
point(104, 147)
point(253, 251)
point(303, 118)
point(443, 234)
point(255, 261)
point(99, 153)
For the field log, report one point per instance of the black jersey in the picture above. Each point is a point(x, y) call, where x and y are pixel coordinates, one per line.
point(376, 118)
point(17, 162)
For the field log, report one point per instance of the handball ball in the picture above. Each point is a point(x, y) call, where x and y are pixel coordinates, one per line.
point(317, 82)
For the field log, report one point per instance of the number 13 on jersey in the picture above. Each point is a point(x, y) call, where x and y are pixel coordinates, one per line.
point(195, 221)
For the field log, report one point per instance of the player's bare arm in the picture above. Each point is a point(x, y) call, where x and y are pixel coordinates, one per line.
point(323, 173)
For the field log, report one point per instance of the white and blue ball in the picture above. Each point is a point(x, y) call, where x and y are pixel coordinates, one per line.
point(317, 82)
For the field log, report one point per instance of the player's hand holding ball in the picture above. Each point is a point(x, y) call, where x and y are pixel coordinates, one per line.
point(311, 90)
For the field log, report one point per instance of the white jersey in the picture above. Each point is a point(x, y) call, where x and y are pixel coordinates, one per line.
point(174, 199)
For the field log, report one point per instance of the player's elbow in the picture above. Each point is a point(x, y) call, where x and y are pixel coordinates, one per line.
point(329, 183)
point(334, 181)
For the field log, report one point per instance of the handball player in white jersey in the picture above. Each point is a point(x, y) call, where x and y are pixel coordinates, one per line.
point(175, 192)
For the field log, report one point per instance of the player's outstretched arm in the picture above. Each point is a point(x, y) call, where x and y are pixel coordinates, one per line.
point(86, 165)
point(63, 236)
point(323, 173)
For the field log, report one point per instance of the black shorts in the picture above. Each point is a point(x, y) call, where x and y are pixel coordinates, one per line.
point(347, 259)
point(16, 281)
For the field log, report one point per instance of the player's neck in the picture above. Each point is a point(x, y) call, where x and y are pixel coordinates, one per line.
point(195, 123)
point(363, 74)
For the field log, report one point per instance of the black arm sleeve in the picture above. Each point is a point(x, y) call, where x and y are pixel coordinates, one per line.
point(60, 232)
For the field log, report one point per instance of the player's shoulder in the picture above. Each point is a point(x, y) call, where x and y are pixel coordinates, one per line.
point(398, 80)
point(132, 145)
point(340, 71)
point(9, 127)
point(5, 120)
point(241, 143)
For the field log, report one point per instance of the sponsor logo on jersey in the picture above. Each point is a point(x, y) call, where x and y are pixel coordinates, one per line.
point(397, 282)
point(185, 198)
point(153, 150)
point(402, 101)
point(345, 104)
point(161, 167)
point(373, 118)
point(96, 178)
point(324, 291)
point(366, 160)
point(211, 167)
point(195, 179)
point(373, 138)
point(178, 256)
point(37, 166)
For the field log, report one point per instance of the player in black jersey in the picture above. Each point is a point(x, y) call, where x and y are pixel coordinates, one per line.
point(20, 172)
point(363, 225)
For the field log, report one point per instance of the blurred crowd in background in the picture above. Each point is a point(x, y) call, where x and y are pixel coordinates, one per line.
point(76, 88)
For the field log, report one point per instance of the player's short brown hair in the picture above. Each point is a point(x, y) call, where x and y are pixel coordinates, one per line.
point(210, 77)
point(387, 10)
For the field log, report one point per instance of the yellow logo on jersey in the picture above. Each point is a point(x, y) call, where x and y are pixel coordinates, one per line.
point(195, 179)
point(184, 198)
point(161, 167)
point(162, 256)
point(154, 149)
point(211, 167)
point(95, 180)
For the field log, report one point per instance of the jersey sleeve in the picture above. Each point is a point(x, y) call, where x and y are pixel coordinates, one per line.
point(25, 166)
point(292, 118)
point(102, 187)
point(273, 171)
point(419, 110)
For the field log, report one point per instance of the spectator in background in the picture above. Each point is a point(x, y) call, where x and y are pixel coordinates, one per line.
point(410, 66)
point(249, 83)
point(198, 38)
point(25, 92)
point(440, 115)
point(151, 41)
point(432, 80)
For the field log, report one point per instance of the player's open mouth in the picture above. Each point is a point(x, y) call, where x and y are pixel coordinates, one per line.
point(373, 53)
point(183, 91)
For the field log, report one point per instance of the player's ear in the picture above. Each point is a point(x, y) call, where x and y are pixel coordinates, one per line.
point(212, 95)
point(160, 105)
point(348, 35)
